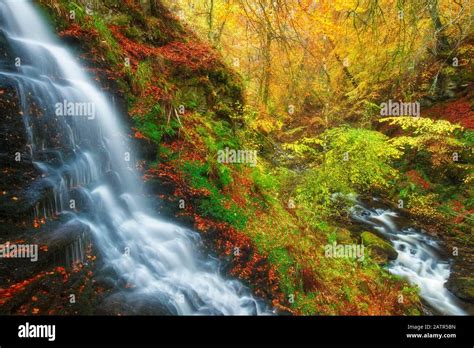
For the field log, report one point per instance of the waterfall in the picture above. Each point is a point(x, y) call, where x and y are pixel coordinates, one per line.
point(84, 156)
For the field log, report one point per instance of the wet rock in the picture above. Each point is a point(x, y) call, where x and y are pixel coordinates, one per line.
point(56, 244)
point(113, 179)
point(7, 56)
point(146, 149)
point(380, 250)
point(18, 171)
point(462, 287)
point(123, 303)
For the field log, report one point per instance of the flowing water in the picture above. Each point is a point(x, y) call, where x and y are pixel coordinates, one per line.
point(86, 159)
point(420, 259)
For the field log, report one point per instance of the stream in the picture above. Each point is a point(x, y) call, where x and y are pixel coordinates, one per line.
point(421, 259)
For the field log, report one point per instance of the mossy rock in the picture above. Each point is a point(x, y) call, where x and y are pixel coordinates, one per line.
point(379, 250)
point(462, 287)
point(343, 236)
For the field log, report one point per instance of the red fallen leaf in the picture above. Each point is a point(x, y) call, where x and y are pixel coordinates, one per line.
point(139, 135)
point(418, 179)
point(194, 55)
point(77, 31)
point(6, 294)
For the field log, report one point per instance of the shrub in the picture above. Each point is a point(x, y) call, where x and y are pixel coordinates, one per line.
point(354, 160)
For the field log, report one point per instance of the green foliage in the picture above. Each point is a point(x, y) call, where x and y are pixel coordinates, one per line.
point(133, 33)
point(423, 131)
point(467, 138)
point(371, 111)
point(79, 10)
point(143, 74)
point(305, 148)
point(306, 304)
point(154, 126)
point(197, 174)
point(217, 135)
point(282, 259)
point(121, 19)
point(216, 205)
point(265, 181)
point(114, 50)
point(422, 125)
point(191, 97)
point(225, 175)
point(408, 190)
point(332, 237)
point(224, 135)
point(355, 160)
point(433, 141)
point(362, 157)
point(267, 185)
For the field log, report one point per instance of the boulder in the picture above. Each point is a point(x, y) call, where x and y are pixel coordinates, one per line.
point(379, 250)
point(462, 287)
point(343, 236)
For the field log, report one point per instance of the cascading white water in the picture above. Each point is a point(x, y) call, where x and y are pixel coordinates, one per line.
point(420, 258)
point(158, 259)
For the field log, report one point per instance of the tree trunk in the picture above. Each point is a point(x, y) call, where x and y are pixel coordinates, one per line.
point(153, 8)
point(442, 44)
point(210, 20)
point(266, 69)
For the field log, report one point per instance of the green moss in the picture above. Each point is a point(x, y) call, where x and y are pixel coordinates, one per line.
point(192, 97)
point(143, 75)
point(306, 303)
point(380, 250)
point(283, 262)
point(196, 174)
point(120, 19)
point(216, 205)
point(133, 33)
point(113, 52)
point(266, 184)
point(154, 126)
